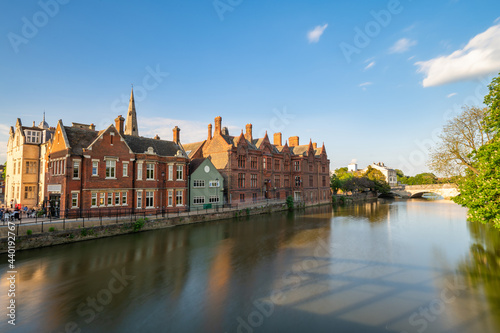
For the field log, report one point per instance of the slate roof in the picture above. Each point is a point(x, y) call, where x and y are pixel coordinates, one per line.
point(299, 150)
point(194, 164)
point(79, 138)
point(192, 147)
point(140, 145)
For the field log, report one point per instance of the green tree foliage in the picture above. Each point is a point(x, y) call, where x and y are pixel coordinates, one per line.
point(4, 170)
point(425, 178)
point(378, 180)
point(480, 191)
point(335, 183)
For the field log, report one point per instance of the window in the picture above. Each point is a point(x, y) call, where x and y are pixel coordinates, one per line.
point(180, 172)
point(277, 181)
point(31, 167)
point(297, 181)
point(74, 200)
point(117, 198)
point(150, 171)
point(253, 181)
point(241, 161)
point(170, 172)
point(198, 200)
point(277, 164)
point(95, 168)
point(170, 198)
point(125, 169)
point(214, 183)
point(242, 197)
point(310, 166)
point(29, 192)
point(139, 199)
point(76, 169)
point(253, 162)
point(93, 200)
point(149, 199)
point(110, 169)
point(286, 165)
point(198, 183)
point(311, 181)
point(101, 199)
point(286, 181)
point(124, 198)
point(241, 180)
point(110, 199)
point(323, 168)
point(139, 171)
point(178, 198)
point(264, 163)
point(296, 165)
point(32, 136)
point(213, 199)
point(323, 181)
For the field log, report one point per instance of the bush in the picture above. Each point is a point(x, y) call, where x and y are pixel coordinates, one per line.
point(40, 213)
point(342, 200)
point(289, 202)
point(84, 232)
point(248, 211)
point(51, 229)
point(139, 224)
point(29, 232)
point(334, 199)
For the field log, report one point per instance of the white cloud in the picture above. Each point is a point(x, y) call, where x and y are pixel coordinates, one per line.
point(314, 35)
point(402, 45)
point(4, 137)
point(364, 84)
point(410, 58)
point(481, 56)
point(451, 95)
point(497, 20)
point(370, 65)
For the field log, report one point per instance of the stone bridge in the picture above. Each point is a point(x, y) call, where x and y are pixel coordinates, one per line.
point(447, 191)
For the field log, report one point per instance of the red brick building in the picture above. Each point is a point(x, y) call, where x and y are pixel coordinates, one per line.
point(255, 168)
point(106, 172)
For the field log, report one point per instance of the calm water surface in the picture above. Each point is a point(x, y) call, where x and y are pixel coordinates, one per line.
point(396, 266)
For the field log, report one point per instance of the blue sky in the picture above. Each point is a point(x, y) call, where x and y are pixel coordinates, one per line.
point(373, 80)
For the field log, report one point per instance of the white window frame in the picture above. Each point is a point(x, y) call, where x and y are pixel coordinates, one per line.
point(125, 169)
point(170, 172)
point(179, 194)
point(117, 199)
point(150, 171)
point(76, 167)
point(199, 200)
point(214, 183)
point(73, 195)
point(198, 183)
point(93, 198)
point(139, 199)
point(95, 164)
point(109, 199)
point(214, 199)
point(180, 170)
point(139, 170)
point(150, 199)
point(124, 198)
point(170, 198)
point(112, 169)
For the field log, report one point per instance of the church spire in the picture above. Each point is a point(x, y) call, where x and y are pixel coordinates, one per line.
point(131, 127)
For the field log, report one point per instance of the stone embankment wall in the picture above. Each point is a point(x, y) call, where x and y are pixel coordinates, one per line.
point(25, 242)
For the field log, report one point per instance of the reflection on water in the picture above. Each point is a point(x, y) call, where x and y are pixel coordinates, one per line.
point(387, 266)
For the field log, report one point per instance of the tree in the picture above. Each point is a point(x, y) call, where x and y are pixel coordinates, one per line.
point(4, 173)
point(480, 188)
point(378, 180)
point(422, 179)
point(335, 183)
point(460, 137)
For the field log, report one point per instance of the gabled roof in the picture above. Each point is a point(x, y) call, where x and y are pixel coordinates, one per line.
point(192, 148)
point(79, 138)
point(194, 164)
point(140, 145)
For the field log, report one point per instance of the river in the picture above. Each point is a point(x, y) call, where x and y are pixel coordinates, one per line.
point(392, 266)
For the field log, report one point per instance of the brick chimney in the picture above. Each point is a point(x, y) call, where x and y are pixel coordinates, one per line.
point(119, 121)
point(177, 134)
point(293, 141)
point(277, 139)
point(218, 126)
point(315, 145)
point(248, 134)
point(209, 131)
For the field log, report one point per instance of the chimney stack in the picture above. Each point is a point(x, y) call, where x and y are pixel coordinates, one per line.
point(248, 134)
point(315, 145)
point(119, 121)
point(209, 131)
point(218, 126)
point(177, 134)
point(293, 141)
point(277, 139)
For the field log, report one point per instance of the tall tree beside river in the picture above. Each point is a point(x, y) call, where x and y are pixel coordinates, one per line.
point(480, 188)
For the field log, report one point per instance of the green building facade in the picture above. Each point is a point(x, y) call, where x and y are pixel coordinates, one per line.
point(205, 185)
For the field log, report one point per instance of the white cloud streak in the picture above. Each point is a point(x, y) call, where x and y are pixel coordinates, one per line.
point(451, 95)
point(480, 57)
point(370, 65)
point(314, 35)
point(402, 45)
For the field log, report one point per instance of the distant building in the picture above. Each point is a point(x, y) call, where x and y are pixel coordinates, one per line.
point(23, 184)
point(390, 174)
point(204, 184)
point(352, 167)
point(2, 185)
